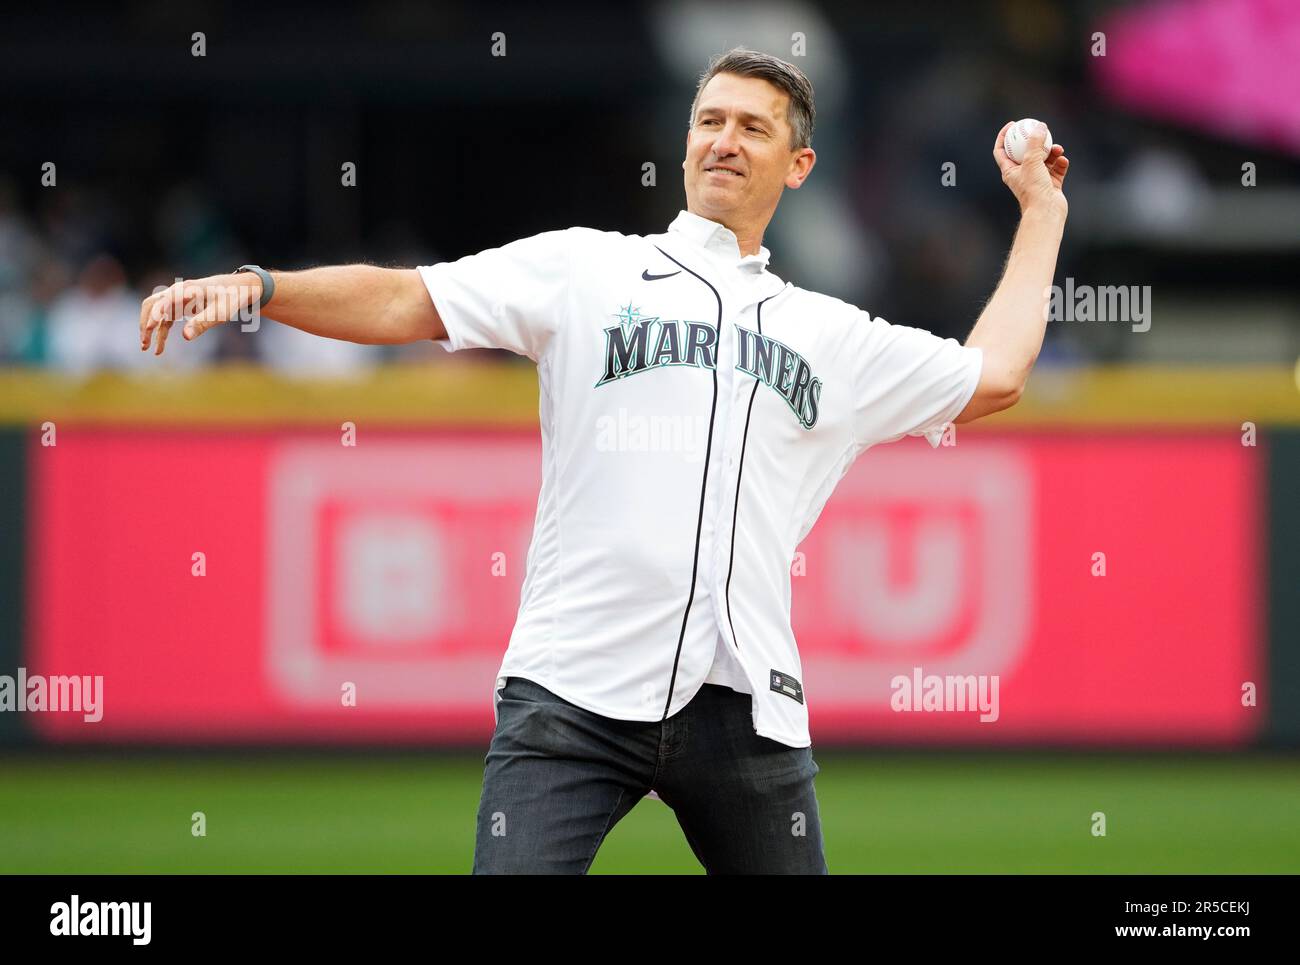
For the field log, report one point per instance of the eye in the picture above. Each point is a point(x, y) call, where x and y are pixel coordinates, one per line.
point(756, 130)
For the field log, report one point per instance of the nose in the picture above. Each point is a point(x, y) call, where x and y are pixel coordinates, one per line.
point(726, 144)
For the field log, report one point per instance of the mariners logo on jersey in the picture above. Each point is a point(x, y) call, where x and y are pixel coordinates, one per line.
point(639, 343)
point(629, 350)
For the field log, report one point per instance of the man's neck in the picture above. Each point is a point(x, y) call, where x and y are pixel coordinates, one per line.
point(749, 237)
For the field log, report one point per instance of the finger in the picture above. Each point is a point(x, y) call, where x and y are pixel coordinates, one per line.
point(1055, 152)
point(161, 308)
point(146, 306)
point(999, 142)
point(1035, 143)
point(149, 318)
point(1005, 164)
point(163, 329)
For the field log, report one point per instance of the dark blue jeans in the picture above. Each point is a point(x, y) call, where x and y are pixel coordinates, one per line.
point(558, 778)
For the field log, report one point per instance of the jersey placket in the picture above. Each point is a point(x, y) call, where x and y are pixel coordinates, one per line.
point(731, 388)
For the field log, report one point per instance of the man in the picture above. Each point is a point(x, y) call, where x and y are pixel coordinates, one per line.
point(652, 651)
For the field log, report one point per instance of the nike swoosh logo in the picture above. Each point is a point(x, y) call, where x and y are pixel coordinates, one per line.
point(646, 276)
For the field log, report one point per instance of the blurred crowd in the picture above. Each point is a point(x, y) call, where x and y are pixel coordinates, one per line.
point(904, 216)
point(70, 303)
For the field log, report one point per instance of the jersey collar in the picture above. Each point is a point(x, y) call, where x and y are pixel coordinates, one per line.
point(720, 240)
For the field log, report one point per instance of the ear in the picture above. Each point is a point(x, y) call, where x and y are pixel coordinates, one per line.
point(800, 167)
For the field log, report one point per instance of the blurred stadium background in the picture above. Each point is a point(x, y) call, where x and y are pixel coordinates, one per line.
point(1174, 450)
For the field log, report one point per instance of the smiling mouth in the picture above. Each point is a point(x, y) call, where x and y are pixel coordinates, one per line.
point(724, 171)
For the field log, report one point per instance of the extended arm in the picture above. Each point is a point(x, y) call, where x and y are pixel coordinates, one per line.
point(354, 303)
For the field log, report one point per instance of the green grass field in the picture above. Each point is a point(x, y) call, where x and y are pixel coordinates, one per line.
point(880, 813)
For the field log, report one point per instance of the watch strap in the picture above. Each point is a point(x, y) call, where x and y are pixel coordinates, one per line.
point(268, 283)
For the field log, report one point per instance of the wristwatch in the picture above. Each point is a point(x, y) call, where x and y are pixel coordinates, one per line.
point(268, 283)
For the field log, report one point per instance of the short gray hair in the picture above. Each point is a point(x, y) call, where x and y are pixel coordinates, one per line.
point(787, 77)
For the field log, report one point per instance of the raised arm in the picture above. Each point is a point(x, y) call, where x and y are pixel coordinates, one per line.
point(1010, 330)
point(353, 303)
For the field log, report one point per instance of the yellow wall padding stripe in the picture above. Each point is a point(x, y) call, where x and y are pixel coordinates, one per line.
point(485, 392)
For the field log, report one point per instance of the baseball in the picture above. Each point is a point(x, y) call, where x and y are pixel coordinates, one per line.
point(1018, 136)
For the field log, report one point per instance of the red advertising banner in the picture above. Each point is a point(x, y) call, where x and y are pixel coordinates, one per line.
point(1080, 588)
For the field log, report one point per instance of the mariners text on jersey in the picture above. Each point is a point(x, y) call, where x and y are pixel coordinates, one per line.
point(758, 355)
point(656, 569)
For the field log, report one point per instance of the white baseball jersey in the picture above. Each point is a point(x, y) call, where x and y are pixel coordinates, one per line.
point(696, 413)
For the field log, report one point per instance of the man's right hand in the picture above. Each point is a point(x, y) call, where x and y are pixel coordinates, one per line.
point(199, 305)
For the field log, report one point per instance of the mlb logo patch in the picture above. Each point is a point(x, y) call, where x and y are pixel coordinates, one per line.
point(783, 683)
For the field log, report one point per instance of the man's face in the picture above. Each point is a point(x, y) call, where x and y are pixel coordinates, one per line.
point(738, 154)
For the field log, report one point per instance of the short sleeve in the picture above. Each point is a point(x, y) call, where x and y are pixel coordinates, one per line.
point(907, 381)
point(513, 297)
